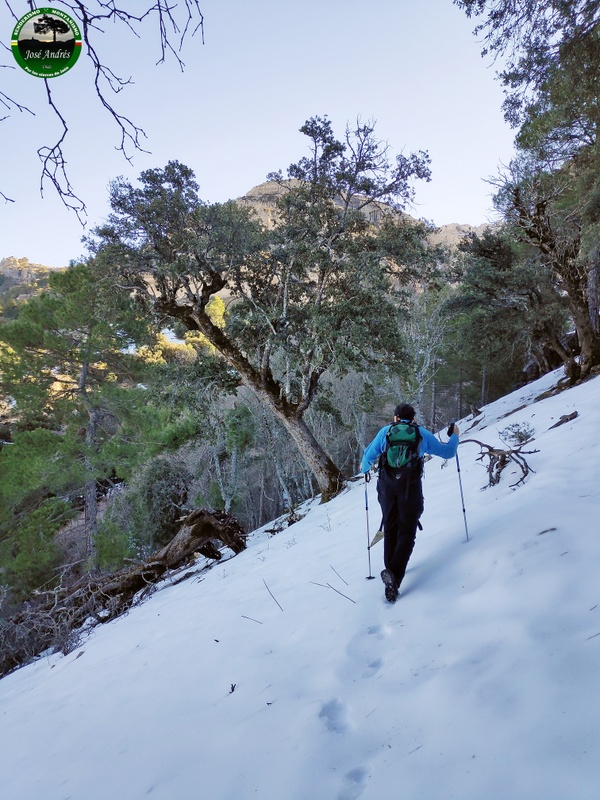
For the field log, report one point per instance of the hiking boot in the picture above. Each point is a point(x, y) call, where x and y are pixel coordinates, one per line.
point(391, 585)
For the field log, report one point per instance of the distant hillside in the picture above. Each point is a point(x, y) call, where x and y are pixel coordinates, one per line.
point(452, 233)
point(263, 198)
point(20, 280)
point(21, 270)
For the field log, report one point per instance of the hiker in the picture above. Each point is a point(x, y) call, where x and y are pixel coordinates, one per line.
point(400, 448)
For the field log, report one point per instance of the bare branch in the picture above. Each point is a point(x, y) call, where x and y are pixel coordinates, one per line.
point(54, 167)
point(58, 617)
point(499, 459)
point(10, 103)
point(175, 21)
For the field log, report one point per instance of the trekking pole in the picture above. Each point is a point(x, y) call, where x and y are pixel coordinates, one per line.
point(369, 576)
point(462, 497)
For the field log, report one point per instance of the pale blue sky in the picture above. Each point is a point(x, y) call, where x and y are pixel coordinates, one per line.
point(233, 115)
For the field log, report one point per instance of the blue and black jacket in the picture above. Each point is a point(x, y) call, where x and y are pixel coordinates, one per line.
point(428, 445)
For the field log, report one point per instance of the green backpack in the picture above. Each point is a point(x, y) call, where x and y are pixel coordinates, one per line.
point(402, 444)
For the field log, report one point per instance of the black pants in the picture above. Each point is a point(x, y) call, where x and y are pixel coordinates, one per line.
point(401, 499)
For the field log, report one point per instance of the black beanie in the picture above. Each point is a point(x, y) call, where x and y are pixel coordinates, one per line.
point(405, 412)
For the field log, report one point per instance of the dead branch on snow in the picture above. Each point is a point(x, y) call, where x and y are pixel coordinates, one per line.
point(499, 459)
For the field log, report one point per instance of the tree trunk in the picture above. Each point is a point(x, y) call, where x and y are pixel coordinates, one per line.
point(433, 421)
point(576, 285)
point(550, 339)
point(589, 340)
point(573, 281)
point(286, 495)
point(261, 499)
point(460, 393)
point(483, 384)
point(90, 496)
point(90, 492)
point(577, 277)
point(329, 478)
point(593, 292)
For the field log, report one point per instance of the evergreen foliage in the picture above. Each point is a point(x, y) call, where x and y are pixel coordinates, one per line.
point(31, 559)
point(82, 419)
point(294, 343)
point(540, 41)
point(508, 309)
point(549, 194)
point(316, 293)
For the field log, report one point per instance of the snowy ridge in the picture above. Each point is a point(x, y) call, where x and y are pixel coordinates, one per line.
point(282, 674)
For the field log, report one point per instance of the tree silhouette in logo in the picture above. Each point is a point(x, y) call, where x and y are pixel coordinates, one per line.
point(46, 23)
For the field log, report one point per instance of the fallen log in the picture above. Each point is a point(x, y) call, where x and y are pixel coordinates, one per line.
point(57, 618)
point(564, 419)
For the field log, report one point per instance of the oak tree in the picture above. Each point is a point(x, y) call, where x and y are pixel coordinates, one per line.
point(316, 292)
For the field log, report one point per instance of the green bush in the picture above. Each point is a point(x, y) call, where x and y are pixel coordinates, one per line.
point(113, 546)
point(29, 556)
point(146, 515)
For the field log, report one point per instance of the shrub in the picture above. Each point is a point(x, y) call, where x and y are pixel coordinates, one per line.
point(29, 558)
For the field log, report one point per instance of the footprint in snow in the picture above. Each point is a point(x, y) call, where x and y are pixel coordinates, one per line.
point(372, 668)
point(336, 715)
point(379, 631)
point(354, 784)
point(364, 653)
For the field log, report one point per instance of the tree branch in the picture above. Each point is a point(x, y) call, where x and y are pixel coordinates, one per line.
point(54, 167)
point(174, 20)
point(499, 459)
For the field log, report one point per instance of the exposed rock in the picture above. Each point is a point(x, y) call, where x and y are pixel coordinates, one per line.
point(262, 199)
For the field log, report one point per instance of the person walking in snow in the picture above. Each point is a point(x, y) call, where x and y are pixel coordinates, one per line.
point(400, 448)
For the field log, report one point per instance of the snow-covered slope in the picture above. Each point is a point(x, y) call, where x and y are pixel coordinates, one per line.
point(282, 674)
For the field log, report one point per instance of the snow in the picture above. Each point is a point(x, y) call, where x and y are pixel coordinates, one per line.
point(283, 674)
